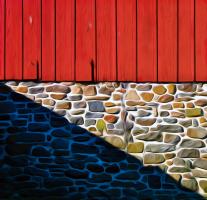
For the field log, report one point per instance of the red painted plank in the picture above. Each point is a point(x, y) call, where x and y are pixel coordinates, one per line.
point(186, 40)
point(32, 39)
point(106, 40)
point(85, 40)
point(147, 41)
point(201, 40)
point(48, 40)
point(126, 40)
point(65, 30)
point(2, 10)
point(13, 60)
point(167, 40)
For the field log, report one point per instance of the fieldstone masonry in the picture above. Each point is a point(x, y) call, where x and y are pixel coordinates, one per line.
point(159, 124)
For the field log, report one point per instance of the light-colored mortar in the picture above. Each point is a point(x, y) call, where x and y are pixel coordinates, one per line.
point(160, 124)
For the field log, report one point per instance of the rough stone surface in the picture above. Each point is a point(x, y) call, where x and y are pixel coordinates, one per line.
point(161, 125)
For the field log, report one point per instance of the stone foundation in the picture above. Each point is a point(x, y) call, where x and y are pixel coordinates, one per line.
point(160, 124)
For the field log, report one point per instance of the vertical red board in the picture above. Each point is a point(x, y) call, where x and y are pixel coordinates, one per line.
point(126, 40)
point(32, 39)
point(65, 37)
point(147, 40)
point(85, 40)
point(201, 40)
point(48, 40)
point(167, 40)
point(2, 11)
point(106, 40)
point(13, 58)
point(186, 40)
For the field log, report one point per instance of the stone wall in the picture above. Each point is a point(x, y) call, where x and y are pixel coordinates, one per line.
point(160, 124)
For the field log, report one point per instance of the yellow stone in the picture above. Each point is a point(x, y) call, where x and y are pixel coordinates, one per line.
point(136, 147)
point(147, 96)
point(202, 120)
point(171, 88)
point(159, 89)
point(193, 112)
point(203, 184)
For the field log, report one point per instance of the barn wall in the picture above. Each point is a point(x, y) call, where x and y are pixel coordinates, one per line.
point(161, 125)
point(103, 40)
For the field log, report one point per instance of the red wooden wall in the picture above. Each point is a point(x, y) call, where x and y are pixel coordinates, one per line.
point(103, 40)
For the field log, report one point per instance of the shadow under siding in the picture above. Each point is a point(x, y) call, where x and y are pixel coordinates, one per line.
point(44, 156)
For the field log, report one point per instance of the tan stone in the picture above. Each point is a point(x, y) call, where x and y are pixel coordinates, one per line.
point(169, 155)
point(190, 105)
point(169, 162)
point(201, 102)
point(63, 105)
point(147, 96)
point(136, 147)
point(109, 104)
point(165, 98)
point(181, 99)
point(117, 97)
point(176, 177)
point(198, 132)
point(132, 95)
point(171, 88)
point(111, 118)
point(77, 112)
point(178, 105)
point(76, 89)
point(48, 102)
point(22, 89)
point(113, 110)
point(193, 112)
point(177, 114)
point(159, 89)
point(58, 96)
point(152, 158)
point(132, 103)
point(89, 90)
point(116, 141)
point(106, 90)
point(146, 121)
point(102, 98)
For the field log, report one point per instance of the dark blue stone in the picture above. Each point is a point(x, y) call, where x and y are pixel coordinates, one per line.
point(40, 151)
point(60, 144)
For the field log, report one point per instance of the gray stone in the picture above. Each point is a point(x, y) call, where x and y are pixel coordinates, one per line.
point(96, 106)
point(160, 148)
point(200, 163)
point(170, 120)
point(77, 120)
point(36, 90)
point(74, 97)
point(116, 132)
point(94, 115)
point(143, 113)
point(89, 122)
point(189, 143)
point(170, 128)
point(179, 161)
point(186, 123)
point(188, 153)
point(80, 104)
point(151, 136)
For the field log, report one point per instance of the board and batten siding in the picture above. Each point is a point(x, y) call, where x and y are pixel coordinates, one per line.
point(103, 40)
